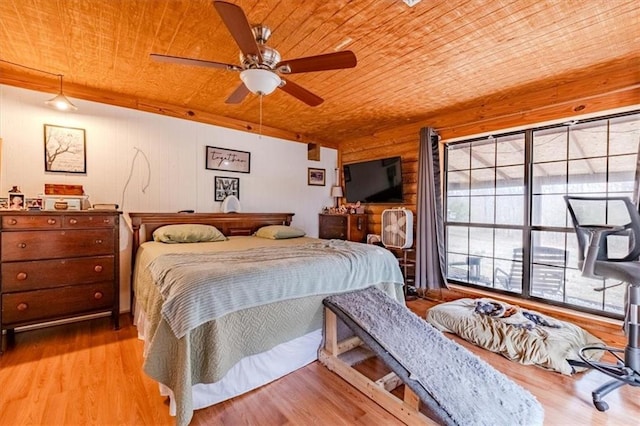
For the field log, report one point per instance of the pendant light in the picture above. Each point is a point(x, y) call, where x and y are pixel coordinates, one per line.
point(60, 101)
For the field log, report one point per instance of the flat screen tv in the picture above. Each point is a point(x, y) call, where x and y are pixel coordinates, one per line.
point(374, 181)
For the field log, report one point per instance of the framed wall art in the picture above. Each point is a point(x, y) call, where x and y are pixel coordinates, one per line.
point(64, 149)
point(316, 176)
point(225, 186)
point(229, 160)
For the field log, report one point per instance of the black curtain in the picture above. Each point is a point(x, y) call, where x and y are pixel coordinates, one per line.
point(430, 250)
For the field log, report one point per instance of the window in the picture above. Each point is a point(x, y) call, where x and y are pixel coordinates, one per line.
point(507, 226)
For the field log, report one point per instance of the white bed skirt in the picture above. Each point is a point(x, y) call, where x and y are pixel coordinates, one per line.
point(250, 372)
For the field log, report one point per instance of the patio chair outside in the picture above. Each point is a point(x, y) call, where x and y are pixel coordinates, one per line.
point(547, 271)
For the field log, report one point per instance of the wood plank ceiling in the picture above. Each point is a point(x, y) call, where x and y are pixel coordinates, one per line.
point(412, 62)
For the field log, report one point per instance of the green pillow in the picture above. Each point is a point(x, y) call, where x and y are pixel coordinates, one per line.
point(188, 233)
point(279, 232)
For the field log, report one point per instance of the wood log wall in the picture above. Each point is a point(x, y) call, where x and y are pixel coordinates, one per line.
point(612, 86)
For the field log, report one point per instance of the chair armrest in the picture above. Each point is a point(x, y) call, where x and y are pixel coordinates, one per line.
point(596, 232)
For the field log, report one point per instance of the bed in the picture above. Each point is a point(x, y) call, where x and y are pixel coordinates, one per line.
point(521, 335)
point(260, 315)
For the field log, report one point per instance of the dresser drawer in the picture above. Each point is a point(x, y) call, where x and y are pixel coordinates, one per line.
point(333, 226)
point(85, 221)
point(42, 305)
point(34, 245)
point(39, 274)
point(31, 222)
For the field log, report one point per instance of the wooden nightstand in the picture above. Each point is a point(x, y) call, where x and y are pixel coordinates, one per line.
point(57, 265)
point(352, 227)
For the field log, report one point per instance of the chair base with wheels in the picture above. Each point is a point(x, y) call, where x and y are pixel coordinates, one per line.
point(626, 371)
point(596, 219)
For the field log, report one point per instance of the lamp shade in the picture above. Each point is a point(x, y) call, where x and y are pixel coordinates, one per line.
point(61, 103)
point(336, 191)
point(259, 81)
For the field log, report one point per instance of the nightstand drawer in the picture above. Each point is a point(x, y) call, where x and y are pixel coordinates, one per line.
point(84, 221)
point(34, 245)
point(31, 222)
point(42, 305)
point(40, 274)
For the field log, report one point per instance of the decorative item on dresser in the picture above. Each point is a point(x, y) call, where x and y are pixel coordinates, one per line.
point(352, 227)
point(57, 265)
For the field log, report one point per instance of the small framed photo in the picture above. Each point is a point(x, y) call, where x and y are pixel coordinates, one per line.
point(228, 160)
point(225, 186)
point(316, 176)
point(4, 203)
point(64, 149)
point(34, 203)
point(16, 201)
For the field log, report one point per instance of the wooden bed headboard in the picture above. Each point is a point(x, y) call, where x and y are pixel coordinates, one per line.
point(230, 224)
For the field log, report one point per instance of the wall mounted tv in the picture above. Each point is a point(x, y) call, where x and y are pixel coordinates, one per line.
point(375, 181)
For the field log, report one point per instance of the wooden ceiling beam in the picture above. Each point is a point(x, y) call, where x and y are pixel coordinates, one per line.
point(11, 77)
point(604, 87)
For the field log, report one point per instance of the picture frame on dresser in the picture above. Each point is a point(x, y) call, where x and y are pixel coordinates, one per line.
point(16, 201)
point(64, 149)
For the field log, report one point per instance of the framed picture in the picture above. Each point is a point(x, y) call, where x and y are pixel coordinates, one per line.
point(34, 203)
point(228, 160)
point(16, 201)
point(64, 149)
point(4, 203)
point(316, 176)
point(225, 186)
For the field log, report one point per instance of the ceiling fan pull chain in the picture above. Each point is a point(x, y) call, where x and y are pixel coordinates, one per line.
point(260, 129)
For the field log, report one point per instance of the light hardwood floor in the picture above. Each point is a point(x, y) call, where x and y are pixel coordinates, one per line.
point(86, 373)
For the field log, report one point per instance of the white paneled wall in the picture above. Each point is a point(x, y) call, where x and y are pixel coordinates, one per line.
point(177, 178)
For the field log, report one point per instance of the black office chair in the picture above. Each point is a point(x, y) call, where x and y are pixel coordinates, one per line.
point(597, 221)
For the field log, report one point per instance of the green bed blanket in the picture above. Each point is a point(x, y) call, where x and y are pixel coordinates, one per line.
point(205, 353)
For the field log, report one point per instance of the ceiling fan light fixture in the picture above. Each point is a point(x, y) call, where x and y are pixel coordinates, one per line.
point(60, 101)
point(260, 81)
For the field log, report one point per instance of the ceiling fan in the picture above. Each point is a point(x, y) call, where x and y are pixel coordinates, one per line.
point(261, 67)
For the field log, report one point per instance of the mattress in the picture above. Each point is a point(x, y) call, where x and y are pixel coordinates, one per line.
point(524, 336)
point(207, 353)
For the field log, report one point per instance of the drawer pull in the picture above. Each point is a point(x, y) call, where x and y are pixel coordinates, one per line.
point(73, 221)
point(21, 276)
point(98, 241)
point(22, 307)
point(106, 220)
point(51, 221)
point(97, 268)
point(13, 222)
point(97, 295)
point(22, 245)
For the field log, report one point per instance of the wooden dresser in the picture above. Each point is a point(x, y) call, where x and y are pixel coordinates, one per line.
point(57, 265)
point(352, 227)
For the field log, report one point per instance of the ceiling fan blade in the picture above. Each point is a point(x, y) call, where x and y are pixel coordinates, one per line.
point(328, 61)
point(197, 62)
point(238, 25)
point(238, 95)
point(301, 93)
